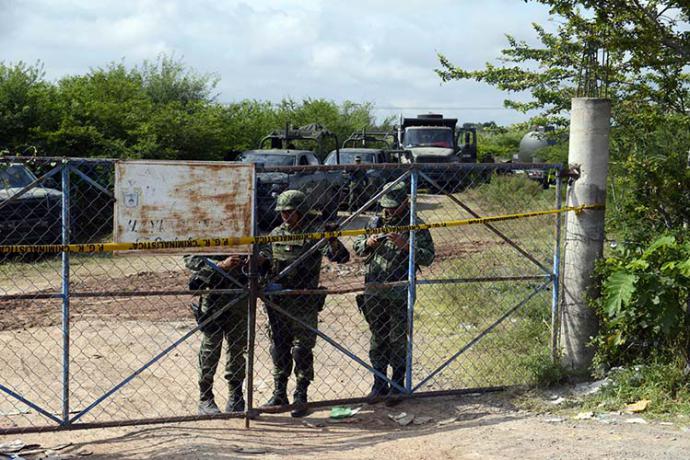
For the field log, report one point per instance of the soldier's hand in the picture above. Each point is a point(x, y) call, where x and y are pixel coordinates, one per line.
point(399, 240)
point(230, 262)
point(374, 240)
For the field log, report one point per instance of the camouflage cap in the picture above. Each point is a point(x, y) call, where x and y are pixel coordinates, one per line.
point(291, 200)
point(395, 196)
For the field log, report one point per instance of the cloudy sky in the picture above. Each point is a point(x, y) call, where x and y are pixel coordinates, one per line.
point(377, 51)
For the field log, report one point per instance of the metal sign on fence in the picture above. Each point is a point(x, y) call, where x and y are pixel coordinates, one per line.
point(166, 200)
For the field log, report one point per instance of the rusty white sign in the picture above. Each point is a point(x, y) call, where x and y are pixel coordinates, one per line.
point(180, 200)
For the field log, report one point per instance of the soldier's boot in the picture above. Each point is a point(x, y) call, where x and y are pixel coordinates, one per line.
point(300, 399)
point(235, 399)
point(207, 404)
point(395, 394)
point(380, 387)
point(280, 397)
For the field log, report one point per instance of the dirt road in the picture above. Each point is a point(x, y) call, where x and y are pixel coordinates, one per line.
point(467, 427)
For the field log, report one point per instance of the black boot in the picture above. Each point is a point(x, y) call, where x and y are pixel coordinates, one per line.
point(380, 387)
point(300, 399)
point(279, 397)
point(395, 395)
point(235, 399)
point(207, 405)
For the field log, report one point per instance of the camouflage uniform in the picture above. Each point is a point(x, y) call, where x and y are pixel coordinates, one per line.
point(385, 310)
point(231, 325)
point(357, 193)
point(290, 340)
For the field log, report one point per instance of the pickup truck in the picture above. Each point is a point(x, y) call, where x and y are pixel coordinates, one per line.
point(32, 218)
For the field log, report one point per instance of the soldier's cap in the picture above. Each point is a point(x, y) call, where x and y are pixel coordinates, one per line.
point(358, 159)
point(291, 200)
point(395, 196)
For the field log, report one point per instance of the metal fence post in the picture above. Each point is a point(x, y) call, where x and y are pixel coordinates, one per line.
point(251, 316)
point(65, 290)
point(411, 281)
point(556, 275)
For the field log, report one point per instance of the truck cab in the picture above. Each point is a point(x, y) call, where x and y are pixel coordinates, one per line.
point(428, 138)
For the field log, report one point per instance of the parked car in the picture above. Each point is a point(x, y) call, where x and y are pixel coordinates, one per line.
point(32, 218)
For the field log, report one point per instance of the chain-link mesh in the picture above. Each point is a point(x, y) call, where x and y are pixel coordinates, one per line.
point(332, 317)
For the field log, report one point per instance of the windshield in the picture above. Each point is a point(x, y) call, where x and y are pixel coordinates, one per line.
point(269, 159)
point(428, 137)
point(348, 158)
point(15, 176)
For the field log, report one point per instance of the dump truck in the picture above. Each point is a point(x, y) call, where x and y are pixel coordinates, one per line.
point(431, 138)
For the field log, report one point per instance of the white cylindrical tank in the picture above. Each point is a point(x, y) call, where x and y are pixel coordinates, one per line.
point(530, 144)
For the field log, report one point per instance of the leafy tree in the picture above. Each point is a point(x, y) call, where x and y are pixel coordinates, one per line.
point(167, 80)
point(26, 104)
point(160, 110)
point(636, 53)
point(99, 113)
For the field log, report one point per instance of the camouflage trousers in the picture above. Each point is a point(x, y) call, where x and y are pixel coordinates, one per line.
point(291, 341)
point(357, 195)
point(231, 327)
point(387, 319)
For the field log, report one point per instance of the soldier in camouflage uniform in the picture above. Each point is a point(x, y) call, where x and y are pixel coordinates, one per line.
point(290, 340)
point(230, 325)
point(357, 193)
point(385, 310)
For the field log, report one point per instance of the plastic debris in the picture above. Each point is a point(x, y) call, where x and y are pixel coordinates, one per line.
point(402, 419)
point(344, 420)
point(339, 412)
point(589, 388)
point(639, 406)
point(584, 416)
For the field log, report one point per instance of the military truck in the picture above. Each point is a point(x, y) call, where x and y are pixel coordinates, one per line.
point(33, 217)
point(324, 189)
point(431, 138)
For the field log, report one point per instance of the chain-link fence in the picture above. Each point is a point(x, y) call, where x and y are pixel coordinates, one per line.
point(372, 312)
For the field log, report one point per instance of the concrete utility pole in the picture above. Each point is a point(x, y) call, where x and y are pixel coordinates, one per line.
point(584, 239)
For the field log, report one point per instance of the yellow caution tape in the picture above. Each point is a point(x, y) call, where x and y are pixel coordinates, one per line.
point(243, 240)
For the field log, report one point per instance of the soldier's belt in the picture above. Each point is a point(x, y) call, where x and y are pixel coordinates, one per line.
point(243, 240)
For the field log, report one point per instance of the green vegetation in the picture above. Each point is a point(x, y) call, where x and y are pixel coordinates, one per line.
point(500, 142)
point(644, 303)
point(637, 55)
point(158, 110)
point(664, 383)
point(449, 316)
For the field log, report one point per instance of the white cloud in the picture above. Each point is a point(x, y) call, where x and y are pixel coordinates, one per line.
point(360, 50)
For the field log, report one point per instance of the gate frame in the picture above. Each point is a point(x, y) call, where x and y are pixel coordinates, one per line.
point(254, 292)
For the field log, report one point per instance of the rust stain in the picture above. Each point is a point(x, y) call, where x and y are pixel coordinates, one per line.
point(201, 201)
